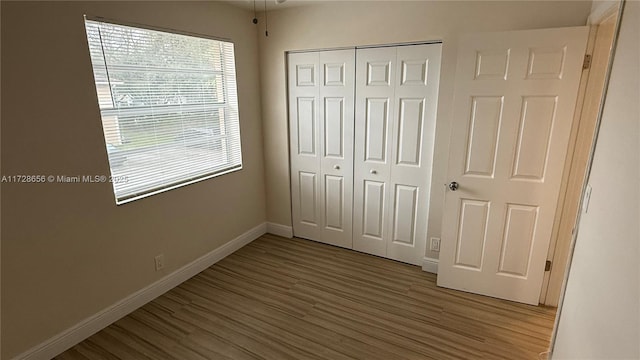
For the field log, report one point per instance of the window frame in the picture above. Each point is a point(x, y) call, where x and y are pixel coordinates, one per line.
point(227, 83)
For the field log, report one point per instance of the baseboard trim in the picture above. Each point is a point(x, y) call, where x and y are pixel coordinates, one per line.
point(91, 325)
point(280, 230)
point(430, 265)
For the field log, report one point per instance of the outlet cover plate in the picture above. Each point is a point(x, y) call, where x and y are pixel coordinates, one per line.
point(159, 262)
point(434, 244)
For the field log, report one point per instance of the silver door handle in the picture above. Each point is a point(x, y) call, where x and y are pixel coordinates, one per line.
point(453, 186)
point(373, 172)
point(337, 167)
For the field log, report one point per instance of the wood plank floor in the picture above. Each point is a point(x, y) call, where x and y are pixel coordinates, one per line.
point(281, 299)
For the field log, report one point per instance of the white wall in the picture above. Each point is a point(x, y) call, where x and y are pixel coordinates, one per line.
point(348, 23)
point(67, 250)
point(600, 316)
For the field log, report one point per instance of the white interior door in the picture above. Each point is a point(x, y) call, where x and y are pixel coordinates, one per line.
point(397, 94)
point(321, 92)
point(515, 94)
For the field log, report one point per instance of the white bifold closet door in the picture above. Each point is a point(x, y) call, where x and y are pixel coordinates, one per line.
point(321, 92)
point(395, 117)
point(361, 164)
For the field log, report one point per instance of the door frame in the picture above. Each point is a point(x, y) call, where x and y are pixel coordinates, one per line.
point(582, 139)
point(598, 15)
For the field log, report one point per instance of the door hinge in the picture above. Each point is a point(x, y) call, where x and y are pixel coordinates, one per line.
point(547, 265)
point(587, 62)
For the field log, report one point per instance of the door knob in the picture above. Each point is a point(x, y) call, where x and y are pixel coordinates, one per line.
point(337, 167)
point(373, 172)
point(453, 186)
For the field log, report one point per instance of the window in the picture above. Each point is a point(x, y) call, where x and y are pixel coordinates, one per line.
point(168, 104)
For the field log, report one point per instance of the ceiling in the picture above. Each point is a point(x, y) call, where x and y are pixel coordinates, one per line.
point(271, 4)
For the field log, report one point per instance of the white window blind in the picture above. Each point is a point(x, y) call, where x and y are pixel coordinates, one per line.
point(168, 104)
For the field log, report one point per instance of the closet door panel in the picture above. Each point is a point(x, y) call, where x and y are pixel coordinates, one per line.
point(321, 92)
point(413, 134)
point(336, 96)
point(305, 144)
point(375, 78)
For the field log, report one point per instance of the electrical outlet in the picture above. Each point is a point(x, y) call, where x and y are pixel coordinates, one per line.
point(435, 244)
point(159, 262)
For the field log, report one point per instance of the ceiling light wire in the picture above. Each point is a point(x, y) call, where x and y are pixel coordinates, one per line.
point(255, 14)
point(266, 22)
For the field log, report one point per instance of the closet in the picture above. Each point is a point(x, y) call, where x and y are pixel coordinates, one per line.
point(362, 128)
